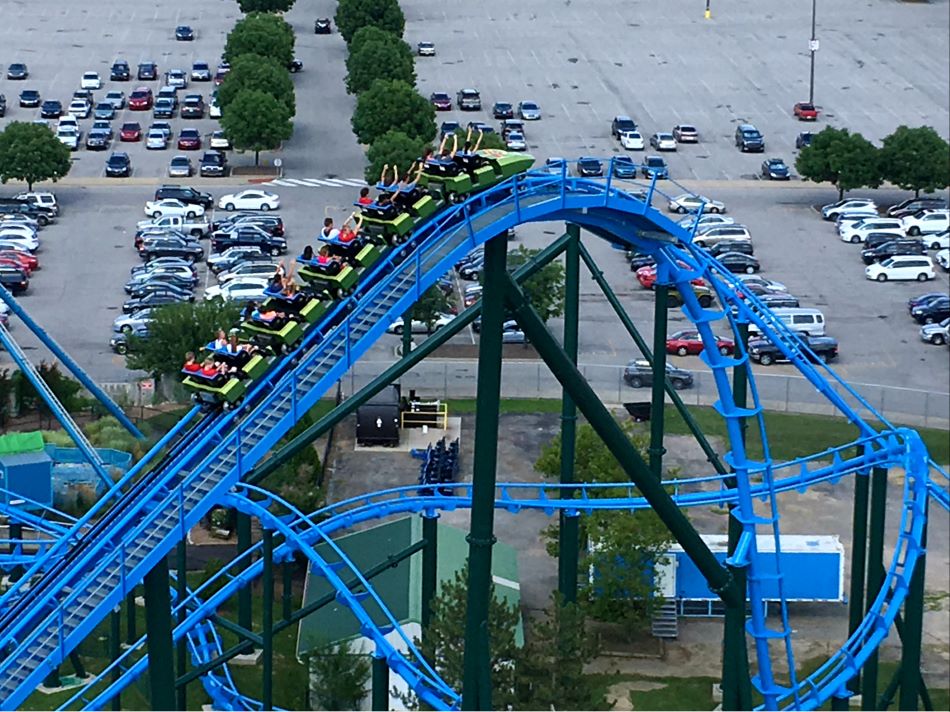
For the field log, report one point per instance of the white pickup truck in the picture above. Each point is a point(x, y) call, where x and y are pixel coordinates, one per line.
point(189, 226)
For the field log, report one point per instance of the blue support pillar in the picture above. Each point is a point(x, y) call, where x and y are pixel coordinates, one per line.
point(99, 394)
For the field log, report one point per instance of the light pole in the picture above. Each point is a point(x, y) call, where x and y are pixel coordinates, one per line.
point(812, 47)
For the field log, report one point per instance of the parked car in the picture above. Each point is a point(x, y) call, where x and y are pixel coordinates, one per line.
point(624, 168)
point(503, 110)
point(749, 138)
point(181, 288)
point(515, 141)
point(936, 333)
point(914, 205)
point(252, 199)
point(156, 140)
point(141, 99)
point(250, 235)
point(219, 141)
point(832, 210)
point(510, 125)
point(739, 262)
point(859, 231)
point(322, 26)
point(721, 248)
point(707, 237)
point(51, 109)
point(17, 71)
point(213, 164)
point(80, 108)
point(420, 327)
point(943, 259)
point(927, 222)
point(130, 131)
point(655, 166)
point(152, 300)
point(121, 343)
point(632, 140)
point(147, 71)
point(172, 206)
point(184, 33)
point(118, 165)
point(663, 142)
point(189, 140)
point(622, 124)
point(164, 108)
point(940, 241)
point(29, 99)
point(231, 257)
point(706, 219)
point(932, 311)
point(14, 279)
point(639, 374)
point(899, 246)
point(805, 111)
point(270, 222)
point(425, 49)
point(120, 71)
point(200, 72)
point(469, 100)
point(690, 202)
point(180, 167)
point(803, 139)
point(242, 289)
point(193, 107)
point(185, 194)
point(901, 267)
point(775, 169)
point(69, 136)
point(90, 80)
point(588, 166)
point(688, 342)
point(529, 111)
point(170, 246)
point(824, 348)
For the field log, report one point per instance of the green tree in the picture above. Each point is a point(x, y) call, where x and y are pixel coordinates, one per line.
point(32, 153)
point(433, 304)
point(256, 121)
point(841, 158)
point(6, 395)
point(392, 104)
point(369, 33)
point(550, 669)
point(443, 641)
point(251, 71)
point(381, 56)
point(339, 677)
point(393, 148)
point(546, 288)
point(262, 34)
point(622, 547)
point(351, 15)
point(177, 329)
point(916, 159)
point(265, 5)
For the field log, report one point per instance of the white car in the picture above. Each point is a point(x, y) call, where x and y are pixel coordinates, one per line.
point(79, 108)
point(631, 140)
point(943, 259)
point(68, 120)
point(90, 80)
point(769, 284)
point(420, 327)
point(250, 200)
point(177, 78)
point(16, 241)
point(940, 241)
point(858, 232)
point(901, 267)
point(251, 270)
point(241, 289)
point(831, 211)
point(214, 111)
point(219, 141)
point(927, 222)
point(156, 140)
point(516, 141)
point(10, 230)
point(688, 203)
point(170, 206)
point(69, 137)
point(663, 142)
point(706, 219)
point(116, 98)
point(849, 218)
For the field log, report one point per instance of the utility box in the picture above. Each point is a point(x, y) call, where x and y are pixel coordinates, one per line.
point(27, 476)
point(377, 422)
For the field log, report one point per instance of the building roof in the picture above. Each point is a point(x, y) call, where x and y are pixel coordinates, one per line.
point(400, 587)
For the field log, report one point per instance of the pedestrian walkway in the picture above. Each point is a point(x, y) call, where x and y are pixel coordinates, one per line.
point(317, 182)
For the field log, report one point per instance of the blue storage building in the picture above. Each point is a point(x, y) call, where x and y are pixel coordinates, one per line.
point(26, 475)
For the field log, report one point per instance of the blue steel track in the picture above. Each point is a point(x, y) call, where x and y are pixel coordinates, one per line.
point(86, 567)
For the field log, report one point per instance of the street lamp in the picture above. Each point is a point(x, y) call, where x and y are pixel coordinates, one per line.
point(812, 48)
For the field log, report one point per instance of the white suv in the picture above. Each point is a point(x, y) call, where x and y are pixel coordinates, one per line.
point(927, 222)
point(858, 232)
point(718, 233)
point(901, 267)
point(830, 211)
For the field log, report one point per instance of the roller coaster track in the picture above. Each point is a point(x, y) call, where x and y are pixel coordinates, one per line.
point(76, 582)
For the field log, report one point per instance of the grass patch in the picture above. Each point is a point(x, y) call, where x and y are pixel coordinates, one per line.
point(466, 406)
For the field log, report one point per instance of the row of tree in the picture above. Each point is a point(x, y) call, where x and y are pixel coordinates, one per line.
point(257, 96)
point(31, 153)
point(916, 159)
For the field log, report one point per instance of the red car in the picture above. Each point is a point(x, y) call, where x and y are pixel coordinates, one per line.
point(130, 131)
point(805, 111)
point(16, 264)
point(646, 276)
point(688, 343)
point(441, 101)
point(189, 140)
point(141, 99)
point(24, 260)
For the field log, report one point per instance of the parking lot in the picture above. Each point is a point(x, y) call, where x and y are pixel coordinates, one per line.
point(660, 63)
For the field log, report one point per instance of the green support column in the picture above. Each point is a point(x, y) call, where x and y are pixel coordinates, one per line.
point(476, 682)
point(568, 527)
point(736, 685)
point(619, 445)
point(658, 398)
point(859, 541)
point(913, 628)
point(875, 576)
point(380, 693)
point(181, 654)
point(430, 567)
point(267, 623)
point(158, 629)
point(245, 602)
point(131, 632)
point(115, 650)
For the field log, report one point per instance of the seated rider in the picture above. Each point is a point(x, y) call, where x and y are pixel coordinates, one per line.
point(191, 365)
point(444, 163)
point(221, 340)
point(248, 311)
point(406, 192)
point(329, 232)
point(211, 370)
point(385, 186)
point(307, 254)
point(468, 158)
point(364, 198)
point(348, 234)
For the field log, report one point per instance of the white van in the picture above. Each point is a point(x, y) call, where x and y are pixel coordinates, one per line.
point(717, 233)
point(810, 322)
point(44, 200)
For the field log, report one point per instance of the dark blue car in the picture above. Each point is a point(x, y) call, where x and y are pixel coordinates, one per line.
point(655, 166)
point(587, 166)
point(624, 167)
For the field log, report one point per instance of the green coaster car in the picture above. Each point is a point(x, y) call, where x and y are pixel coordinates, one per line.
point(343, 280)
point(287, 335)
point(232, 390)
